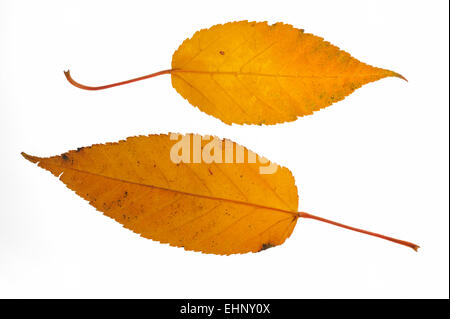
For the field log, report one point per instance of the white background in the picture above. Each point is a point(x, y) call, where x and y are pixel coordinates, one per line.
point(377, 160)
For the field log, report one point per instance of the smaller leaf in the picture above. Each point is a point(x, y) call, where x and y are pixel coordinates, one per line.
point(255, 73)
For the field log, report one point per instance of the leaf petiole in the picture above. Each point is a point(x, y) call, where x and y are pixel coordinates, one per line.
point(96, 88)
point(398, 241)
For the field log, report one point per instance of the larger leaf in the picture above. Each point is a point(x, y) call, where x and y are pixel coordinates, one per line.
point(222, 206)
point(255, 73)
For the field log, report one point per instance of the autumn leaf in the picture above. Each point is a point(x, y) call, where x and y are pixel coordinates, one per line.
point(255, 73)
point(190, 191)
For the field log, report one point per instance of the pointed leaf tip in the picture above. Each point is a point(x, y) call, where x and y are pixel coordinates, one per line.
point(32, 159)
point(398, 75)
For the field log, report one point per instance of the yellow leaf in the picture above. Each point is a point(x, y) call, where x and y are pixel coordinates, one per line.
point(212, 196)
point(255, 73)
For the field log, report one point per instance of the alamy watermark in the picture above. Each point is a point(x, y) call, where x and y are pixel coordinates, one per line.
point(192, 149)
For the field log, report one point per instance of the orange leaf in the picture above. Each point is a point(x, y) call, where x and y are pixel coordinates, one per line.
point(212, 196)
point(253, 73)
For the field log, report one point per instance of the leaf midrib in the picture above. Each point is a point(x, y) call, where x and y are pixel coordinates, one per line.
point(178, 191)
point(238, 73)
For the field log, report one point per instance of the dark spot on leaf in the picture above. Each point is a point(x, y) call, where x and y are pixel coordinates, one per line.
point(79, 149)
point(221, 52)
point(210, 172)
point(266, 246)
point(65, 157)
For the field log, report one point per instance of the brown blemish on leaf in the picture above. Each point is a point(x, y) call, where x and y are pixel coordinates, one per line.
point(65, 157)
point(221, 52)
point(266, 246)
